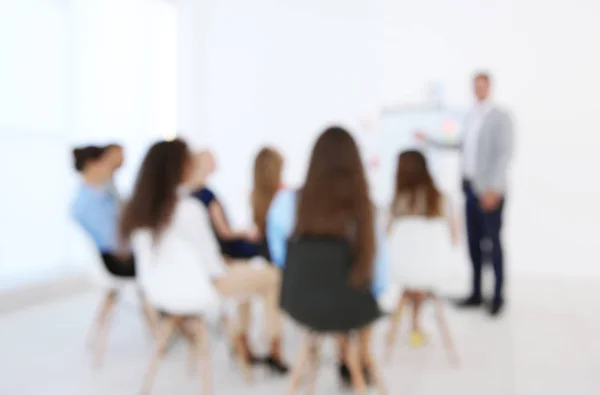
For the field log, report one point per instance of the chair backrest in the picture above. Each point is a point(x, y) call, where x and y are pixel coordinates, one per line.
point(419, 247)
point(171, 274)
point(85, 252)
point(316, 291)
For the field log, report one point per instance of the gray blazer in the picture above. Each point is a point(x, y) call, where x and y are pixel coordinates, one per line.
point(494, 151)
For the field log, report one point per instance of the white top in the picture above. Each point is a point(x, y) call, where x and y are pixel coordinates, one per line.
point(176, 271)
point(470, 140)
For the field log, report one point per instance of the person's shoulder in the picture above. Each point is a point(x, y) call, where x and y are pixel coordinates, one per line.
point(84, 198)
point(285, 195)
point(205, 194)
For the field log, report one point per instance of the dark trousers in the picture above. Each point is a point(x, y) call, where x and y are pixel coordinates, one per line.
point(119, 267)
point(244, 249)
point(483, 232)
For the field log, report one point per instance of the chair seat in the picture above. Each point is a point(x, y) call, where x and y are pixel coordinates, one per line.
point(335, 313)
point(316, 292)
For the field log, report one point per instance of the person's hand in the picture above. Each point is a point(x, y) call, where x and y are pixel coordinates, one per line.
point(490, 201)
point(420, 136)
point(253, 235)
point(454, 235)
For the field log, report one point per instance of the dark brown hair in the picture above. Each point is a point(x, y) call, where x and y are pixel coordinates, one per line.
point(83, 155)
point(267, 180)
point(155, 194)
point(335, 200)
point(413, 178)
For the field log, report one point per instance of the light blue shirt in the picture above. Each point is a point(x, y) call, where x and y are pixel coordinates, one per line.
point(281, 220)
point(97, 210)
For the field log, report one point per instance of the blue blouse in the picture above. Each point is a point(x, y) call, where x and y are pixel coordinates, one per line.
point(97, 210)
point(281, 219)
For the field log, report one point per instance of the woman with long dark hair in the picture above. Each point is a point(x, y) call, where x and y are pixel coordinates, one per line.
point(334, 202)
point(96, 207)
point(179, 237)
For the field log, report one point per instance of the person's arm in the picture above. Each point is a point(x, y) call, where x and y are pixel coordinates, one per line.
point(503, 145)
point(452, 219)
point(196, 223)
point(280, 222)
point(224, 231)
point(448, 145)
point(381, 275)
point(98, 223)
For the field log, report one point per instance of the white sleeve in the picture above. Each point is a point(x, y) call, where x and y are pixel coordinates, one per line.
point(199, 231)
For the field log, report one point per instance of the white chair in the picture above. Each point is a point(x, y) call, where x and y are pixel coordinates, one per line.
point(419, 250)
point(87, 253)
point(177, 286)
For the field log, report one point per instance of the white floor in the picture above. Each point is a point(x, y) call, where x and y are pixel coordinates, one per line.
point(546, 343)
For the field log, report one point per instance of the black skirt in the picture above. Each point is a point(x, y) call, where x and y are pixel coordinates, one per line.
point(119, 267)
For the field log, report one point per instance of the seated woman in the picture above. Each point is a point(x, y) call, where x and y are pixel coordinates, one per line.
point(235, 245)
point(163, 211)
point(334, 202)
point(416, 196)
point(268, 167)
point(96, 207)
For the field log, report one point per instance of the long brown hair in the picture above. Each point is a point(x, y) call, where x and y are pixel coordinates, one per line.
point(267, 180)
point(155, 195)
point(335, 200)
point(414, 182)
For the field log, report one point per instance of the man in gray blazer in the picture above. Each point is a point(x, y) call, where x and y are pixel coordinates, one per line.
point(486, 147)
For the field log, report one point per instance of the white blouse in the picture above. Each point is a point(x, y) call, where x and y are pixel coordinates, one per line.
point(177, 270)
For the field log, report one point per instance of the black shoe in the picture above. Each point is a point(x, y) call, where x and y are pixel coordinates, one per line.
point(495, 308)
point(367, 374)
point(345, 374)
point(346, 377)
point(470, 302)
point(275, 365)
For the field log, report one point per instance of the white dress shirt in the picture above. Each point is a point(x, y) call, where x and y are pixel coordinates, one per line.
point(472, 129)
point(177, 270)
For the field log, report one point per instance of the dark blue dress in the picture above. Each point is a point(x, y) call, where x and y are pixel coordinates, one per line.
point(234, 248)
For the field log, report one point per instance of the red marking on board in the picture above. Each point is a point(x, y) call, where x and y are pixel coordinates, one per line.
point(374, 163)
point(449, 126)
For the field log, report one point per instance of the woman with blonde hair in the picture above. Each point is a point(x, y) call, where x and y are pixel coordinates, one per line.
point(268, 167)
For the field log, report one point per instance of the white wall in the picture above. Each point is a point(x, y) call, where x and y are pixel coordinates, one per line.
point(34, 134)
point(73, 72)
point(278, 71)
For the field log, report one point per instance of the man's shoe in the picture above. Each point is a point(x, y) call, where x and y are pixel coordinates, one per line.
point(469, 302)
point(496, 308)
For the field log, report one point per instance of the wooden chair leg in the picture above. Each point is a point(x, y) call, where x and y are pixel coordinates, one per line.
point(394, 327)
point(150, 314)
point(298, 368)
point(165, 331)
point(238, 350)
point(355, 367)
point(313, 361)
point(445, 332)
point(101, 331)
point(204, 351)
point(375, 373)
point(165, 347)
point(191, 335)
point(365, 342)
point(99, 318)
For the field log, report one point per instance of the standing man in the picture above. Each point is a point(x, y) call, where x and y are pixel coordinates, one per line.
point(486, 147)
